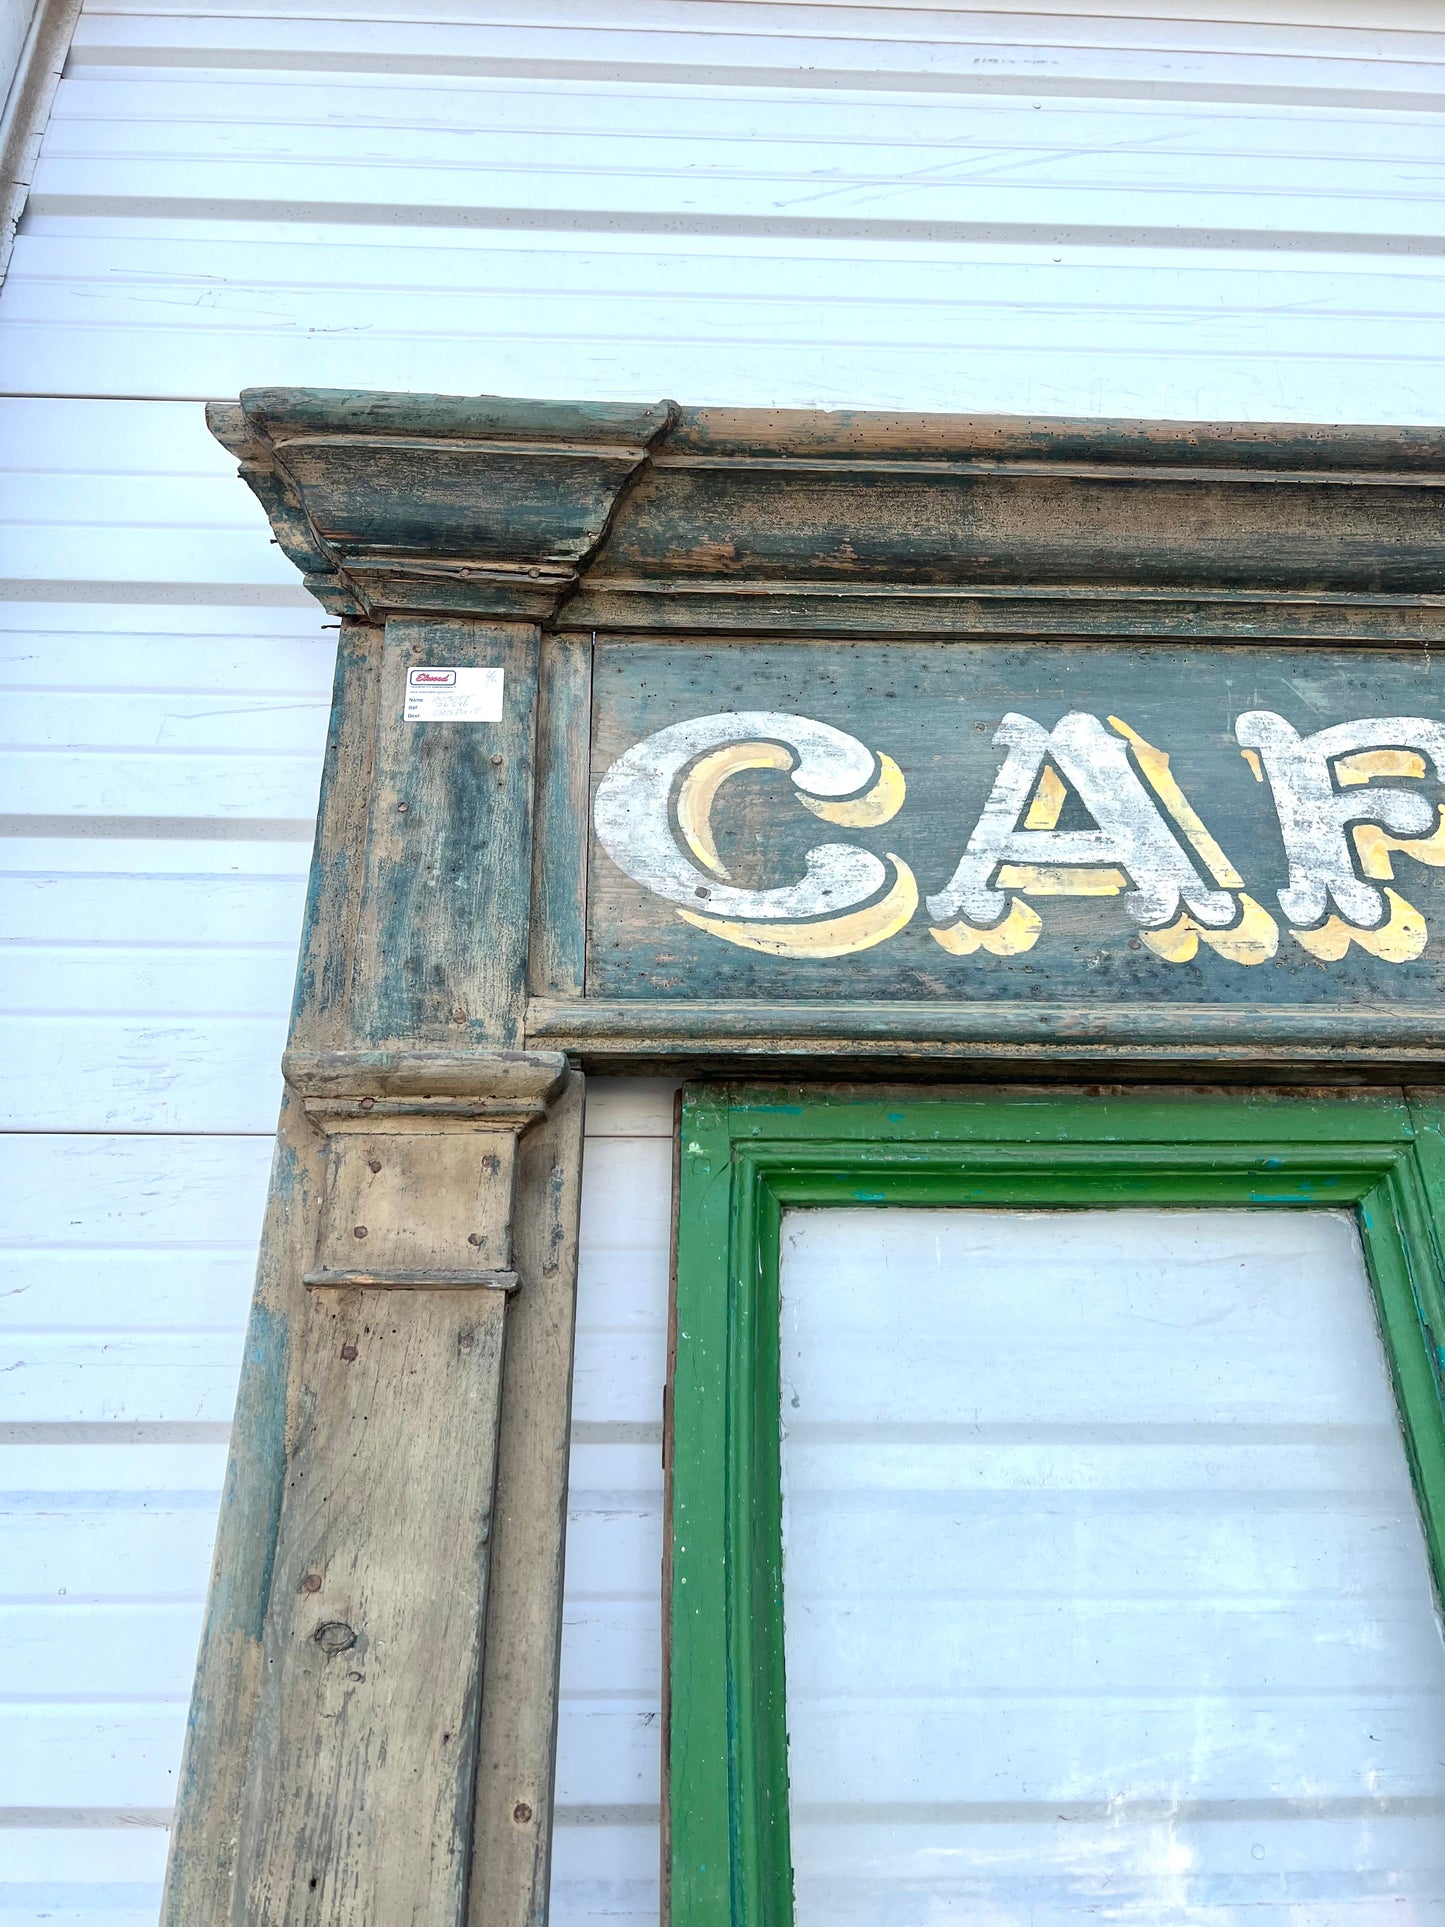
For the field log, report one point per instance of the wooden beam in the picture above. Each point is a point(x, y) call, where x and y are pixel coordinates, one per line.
point(699, 521)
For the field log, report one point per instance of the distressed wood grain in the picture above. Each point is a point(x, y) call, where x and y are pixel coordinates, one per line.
point(558, 958)
point(705, 520)
point(374, 1213)
point(358, 1802)
point(328, 943)
point(441, 944)
point(217, 1757)
point(513, 1832)
point(722, 1035)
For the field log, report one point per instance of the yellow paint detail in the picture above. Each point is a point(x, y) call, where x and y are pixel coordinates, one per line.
point(833, 937)
point(879, 805)
point(701, 785)
point(1160, 778)
point(1061, 880)
point(1374, 846)
point(1018, 932)
point(1251, 756)
point(1362, 764)
point(1253, 940)
point(1047, 804)
point(1400, 939)
point(1177, 942)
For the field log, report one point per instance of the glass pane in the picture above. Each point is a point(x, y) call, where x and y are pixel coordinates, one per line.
point(1106, 1596)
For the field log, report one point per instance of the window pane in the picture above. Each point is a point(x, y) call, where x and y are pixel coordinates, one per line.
point(1106, 1596)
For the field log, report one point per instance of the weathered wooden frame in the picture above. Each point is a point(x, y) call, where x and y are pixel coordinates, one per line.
point(597, 521)
point(442, 1023)
point(748, 1154)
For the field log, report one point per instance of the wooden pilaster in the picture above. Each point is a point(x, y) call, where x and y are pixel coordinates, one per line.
point(358, 1799)
point(331, 1774)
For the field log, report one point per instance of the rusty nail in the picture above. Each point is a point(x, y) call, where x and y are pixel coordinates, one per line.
point(373, 1164)
point(368, 1103)
point(521, 1813)
point(474, 1237)
point(358, 1231)
point(312, 1582)
point(402, 808)
point(496, 762)
point(348, 1352)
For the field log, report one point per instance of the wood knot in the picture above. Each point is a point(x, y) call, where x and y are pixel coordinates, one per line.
point(334, 1636)
point(312, 1582)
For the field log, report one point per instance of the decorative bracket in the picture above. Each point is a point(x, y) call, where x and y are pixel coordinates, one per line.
point(420, 1163)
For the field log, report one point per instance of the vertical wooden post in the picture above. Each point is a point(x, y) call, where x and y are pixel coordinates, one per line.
point(512, 1843)
point(338, 1785)
point(358, 1801)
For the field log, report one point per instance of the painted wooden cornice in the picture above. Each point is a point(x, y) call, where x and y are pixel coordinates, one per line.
point(599, 516)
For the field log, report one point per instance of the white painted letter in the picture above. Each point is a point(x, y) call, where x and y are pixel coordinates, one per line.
point(1314, 815)
point(1131, 834)
point(653, 816)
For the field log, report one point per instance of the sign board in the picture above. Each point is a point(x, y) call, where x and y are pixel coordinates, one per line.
point(978, 821)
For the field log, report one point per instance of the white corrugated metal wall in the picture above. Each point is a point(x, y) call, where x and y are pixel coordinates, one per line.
point(1086, 210)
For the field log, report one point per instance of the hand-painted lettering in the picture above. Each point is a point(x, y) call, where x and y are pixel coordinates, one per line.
point(1143, 840)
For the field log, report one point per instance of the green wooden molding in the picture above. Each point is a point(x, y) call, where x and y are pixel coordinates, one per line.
point(749, 1153)
point(608, 517)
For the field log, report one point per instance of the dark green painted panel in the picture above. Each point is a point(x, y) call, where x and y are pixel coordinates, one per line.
point(934, 708)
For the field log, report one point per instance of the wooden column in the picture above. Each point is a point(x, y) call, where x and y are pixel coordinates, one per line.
point(427, 1175)
point(358, 1800)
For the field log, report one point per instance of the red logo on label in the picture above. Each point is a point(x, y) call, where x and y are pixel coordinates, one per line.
point(431, 678)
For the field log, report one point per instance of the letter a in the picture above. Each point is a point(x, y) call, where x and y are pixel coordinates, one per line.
point(1131, 834)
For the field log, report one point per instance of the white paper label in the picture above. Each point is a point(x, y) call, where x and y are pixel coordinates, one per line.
point(439, 695)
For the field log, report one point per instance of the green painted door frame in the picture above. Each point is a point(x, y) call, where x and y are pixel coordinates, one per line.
point(748, 1154)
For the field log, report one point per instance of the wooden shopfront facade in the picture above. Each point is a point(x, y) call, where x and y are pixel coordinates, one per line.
point(1021, 837)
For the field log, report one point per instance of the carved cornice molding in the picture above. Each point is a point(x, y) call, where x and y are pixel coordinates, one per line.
point(689, 521)
point(436, 504)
